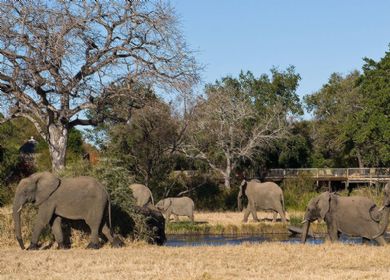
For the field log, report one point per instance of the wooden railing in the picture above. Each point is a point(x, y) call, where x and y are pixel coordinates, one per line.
point(333, 174)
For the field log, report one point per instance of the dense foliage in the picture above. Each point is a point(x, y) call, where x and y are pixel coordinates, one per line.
point(193, 148)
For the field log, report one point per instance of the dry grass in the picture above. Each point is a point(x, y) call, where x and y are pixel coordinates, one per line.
point(248, 261)
point(141, 261)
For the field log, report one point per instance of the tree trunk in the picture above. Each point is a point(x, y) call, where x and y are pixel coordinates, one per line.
point(227, 181)
point(58, 139)
point(227, 173)
point(359, 158)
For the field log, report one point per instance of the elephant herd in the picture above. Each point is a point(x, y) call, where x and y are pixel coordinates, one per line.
point(81, 198)
point(353, 215)
point(84, 198)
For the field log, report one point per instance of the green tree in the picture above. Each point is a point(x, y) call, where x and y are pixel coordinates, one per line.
point(147, 144)
point(333, 107)
point(370, 127)
point(241, 116)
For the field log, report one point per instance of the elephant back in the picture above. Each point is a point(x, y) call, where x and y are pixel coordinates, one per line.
point(263, 188)
point(267, 195)
point(182, 205)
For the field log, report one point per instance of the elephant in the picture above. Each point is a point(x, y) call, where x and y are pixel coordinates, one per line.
point(178, 206)
point(265, 196)
point(384, 209)
point(78, 198)
point(142, 194)
point(352, 215)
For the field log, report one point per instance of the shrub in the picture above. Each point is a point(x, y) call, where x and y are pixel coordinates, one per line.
point(298, 192)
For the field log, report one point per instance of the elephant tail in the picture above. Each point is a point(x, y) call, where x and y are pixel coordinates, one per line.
point(109, 217)
point(109, 211)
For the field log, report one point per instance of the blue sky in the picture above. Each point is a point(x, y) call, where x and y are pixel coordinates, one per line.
point(317, 37)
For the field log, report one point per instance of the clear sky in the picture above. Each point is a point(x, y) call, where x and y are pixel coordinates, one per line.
point(317, 37)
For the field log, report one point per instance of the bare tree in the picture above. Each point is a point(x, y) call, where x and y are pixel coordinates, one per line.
point(226, 128)
point(58, 57)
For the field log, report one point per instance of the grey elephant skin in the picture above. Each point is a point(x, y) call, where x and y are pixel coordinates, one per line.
point(142, 194)
point(79, 198)
point(261, 196)
point(178, 206)
point(352, 215)
point(385, 209)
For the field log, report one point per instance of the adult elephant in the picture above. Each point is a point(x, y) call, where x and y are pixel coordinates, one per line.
point(79, 198)
point(261, 196)
point(178, 206)
point(142, 194)
point(352, 215)
point(385, 209)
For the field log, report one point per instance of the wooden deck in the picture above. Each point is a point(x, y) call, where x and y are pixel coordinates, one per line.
point(345, 175)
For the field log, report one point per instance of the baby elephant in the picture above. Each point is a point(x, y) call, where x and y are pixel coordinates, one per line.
point(178, 206)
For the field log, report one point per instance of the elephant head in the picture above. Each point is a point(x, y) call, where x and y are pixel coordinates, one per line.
point(35, 189)
point(164, 204)
point(385, 209)
point(317, 208)
point(241, 193)
point(386, 191)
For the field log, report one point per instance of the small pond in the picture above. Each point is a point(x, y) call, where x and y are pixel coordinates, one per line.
point(220, 240)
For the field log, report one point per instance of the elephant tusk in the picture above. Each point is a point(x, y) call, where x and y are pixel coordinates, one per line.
point(304, 221)
point(383, 207)
point(20, 209)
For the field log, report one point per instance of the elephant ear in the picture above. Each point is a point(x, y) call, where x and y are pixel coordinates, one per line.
point(47, 183)
point(324, 204)
point(168, 203)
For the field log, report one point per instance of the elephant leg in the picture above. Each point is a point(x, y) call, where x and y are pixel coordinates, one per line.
point(107, 233)
point(332, 231)
point(282, 214)
point(94, 224)
point(56, 229)
point(254, 212)
point(274, 216)
point(114, 240)
point(381, 240)
point(366, 241)
point(168, 215)
point(43, 218)
point(246, 215)
point(191, 217)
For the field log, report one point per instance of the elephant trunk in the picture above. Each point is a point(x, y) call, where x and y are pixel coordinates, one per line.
point(384, 222)
point(305, 231)
point(16, 216)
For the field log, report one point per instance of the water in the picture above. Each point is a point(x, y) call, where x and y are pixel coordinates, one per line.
point(221, 240)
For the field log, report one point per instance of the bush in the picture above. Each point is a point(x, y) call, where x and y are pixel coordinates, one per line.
point(6, 195)
point(298, 192)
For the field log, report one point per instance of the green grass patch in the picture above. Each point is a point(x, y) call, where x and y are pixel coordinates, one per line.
point(205, 228)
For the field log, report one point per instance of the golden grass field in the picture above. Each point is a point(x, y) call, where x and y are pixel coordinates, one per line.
point(248, 261)
point(141, 261)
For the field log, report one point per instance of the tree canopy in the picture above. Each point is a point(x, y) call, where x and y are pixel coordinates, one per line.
point(57, 58)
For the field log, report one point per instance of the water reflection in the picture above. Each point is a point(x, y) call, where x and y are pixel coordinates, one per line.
point(220, 240)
